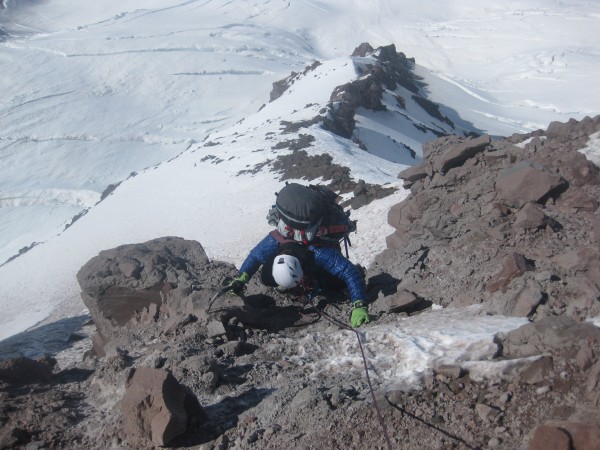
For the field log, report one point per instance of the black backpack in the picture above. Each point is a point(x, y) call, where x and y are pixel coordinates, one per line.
point(310, 214)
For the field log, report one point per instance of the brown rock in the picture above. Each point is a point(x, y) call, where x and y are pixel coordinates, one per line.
point(548, 437)
point(413, 173)
point(458, 154)
point(530, 217)
point(119, 283)
point(576, 199)
point(593, 383)
point(527, 300)
point(215, 328)
point(178, 322)
point(585, 355)
point(396, 240)
point(596, 227)
point(24, 370)
point(363, 49)
point(583, 436)
point(404, 213)
point(515, 265)
point(398, 302)
point(487, 412)
point(153, 407)
point(550, 334)
point(527, 182)
point(536, 372)
point(578, 171)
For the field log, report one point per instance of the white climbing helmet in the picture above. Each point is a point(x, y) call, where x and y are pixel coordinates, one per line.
point(287, 271)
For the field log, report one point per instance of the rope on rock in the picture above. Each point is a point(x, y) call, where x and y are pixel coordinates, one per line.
point(342, 325)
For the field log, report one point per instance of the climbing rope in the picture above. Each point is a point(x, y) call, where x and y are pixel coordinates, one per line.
point(342, 325)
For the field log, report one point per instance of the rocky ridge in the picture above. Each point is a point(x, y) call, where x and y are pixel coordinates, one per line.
point(163, 370)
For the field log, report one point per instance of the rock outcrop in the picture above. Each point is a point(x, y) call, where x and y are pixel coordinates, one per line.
point(136, 282)
point(507, 223)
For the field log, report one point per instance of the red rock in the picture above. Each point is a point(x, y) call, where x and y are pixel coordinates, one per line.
point(514, 266)
point(154, 407)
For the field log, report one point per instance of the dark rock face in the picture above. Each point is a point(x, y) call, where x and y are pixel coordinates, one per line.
point(388, 70)
point(279, 87)
point(25, 370)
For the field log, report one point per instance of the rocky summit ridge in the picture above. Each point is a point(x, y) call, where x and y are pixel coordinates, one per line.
point(508, 226)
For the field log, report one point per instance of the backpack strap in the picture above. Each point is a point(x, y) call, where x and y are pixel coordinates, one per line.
point(333, 229)
point(281, 238)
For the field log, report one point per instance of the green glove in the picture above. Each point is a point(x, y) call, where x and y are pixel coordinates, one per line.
point(238, 283)
point(360, 314)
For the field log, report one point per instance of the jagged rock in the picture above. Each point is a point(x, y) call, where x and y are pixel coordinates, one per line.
point(592, 388)
point(550, 334)
point(515, 265)
point(155, 407)
point(363, 50)
point(279, 87)
point(457, 155)
point(233, 348)
point(24, 370)
point(527, 182)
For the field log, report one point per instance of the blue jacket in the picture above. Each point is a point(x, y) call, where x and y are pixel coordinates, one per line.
point(326, 258)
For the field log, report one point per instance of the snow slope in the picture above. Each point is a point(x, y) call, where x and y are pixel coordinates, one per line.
point(132, 92)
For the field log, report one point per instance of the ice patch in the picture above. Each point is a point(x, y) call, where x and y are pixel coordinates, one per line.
point(399, 353)
point(592, 150)
point(527, 141)
point(594, 320)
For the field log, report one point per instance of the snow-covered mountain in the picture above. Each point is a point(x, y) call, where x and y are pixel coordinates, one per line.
point(122, 121)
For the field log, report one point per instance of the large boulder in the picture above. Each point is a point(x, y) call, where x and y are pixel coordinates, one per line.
point(168, 275)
